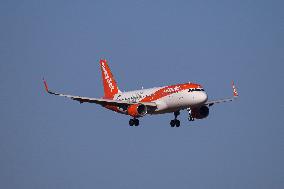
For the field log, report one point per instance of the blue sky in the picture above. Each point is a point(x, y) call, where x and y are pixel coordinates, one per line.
point(53, 142)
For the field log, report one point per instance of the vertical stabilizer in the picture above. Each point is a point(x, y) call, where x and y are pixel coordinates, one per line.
point(110, 86)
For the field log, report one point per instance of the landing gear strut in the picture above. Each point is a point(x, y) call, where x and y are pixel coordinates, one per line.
point(175, 122)
point(134, 121)
point(190, 118)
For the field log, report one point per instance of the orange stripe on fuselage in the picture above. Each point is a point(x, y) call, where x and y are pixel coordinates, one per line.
point(165, 91)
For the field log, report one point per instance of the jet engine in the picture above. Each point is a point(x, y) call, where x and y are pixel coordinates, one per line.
point(137, 110)
point(200, 113)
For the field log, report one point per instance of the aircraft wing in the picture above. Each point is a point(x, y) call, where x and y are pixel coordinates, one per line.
point(100, 101)
point(235, 96)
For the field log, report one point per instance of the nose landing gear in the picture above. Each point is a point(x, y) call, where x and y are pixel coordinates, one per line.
point(190, 118)
point(175, 122)
point(134, 121)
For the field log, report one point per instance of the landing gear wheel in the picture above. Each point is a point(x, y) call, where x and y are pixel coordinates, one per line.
point(136, 122)
point(177, 123)
point(131, 122)
point(173, 123)
point(190, 118)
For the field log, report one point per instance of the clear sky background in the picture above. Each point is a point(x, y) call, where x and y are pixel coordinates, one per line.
point(52, 142)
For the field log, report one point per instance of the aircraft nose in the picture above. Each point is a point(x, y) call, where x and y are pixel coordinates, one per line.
point(203, 97)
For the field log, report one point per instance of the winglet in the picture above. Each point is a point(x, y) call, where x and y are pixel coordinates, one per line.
point(45, 85)
point(235, 92)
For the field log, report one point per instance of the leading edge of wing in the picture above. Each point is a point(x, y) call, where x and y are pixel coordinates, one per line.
point(235, 96)
point(212, 102)
point(101, 101)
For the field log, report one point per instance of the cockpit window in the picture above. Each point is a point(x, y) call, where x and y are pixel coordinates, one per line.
point(195, 89)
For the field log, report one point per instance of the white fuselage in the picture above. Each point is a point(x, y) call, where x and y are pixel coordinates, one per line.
point(169, 103)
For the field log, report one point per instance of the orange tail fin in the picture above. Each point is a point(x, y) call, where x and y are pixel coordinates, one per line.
point(110, 86)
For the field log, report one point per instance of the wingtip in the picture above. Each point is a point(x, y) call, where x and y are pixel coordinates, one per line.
point(45, 85)
point(235, 92)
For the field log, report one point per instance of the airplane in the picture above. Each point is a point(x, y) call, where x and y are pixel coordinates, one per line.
point(158, 100)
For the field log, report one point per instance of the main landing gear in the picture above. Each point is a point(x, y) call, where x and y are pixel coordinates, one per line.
point(175, 122)
point(134, 121)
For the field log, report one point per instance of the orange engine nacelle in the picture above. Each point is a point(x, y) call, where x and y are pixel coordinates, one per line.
point(137, 110)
